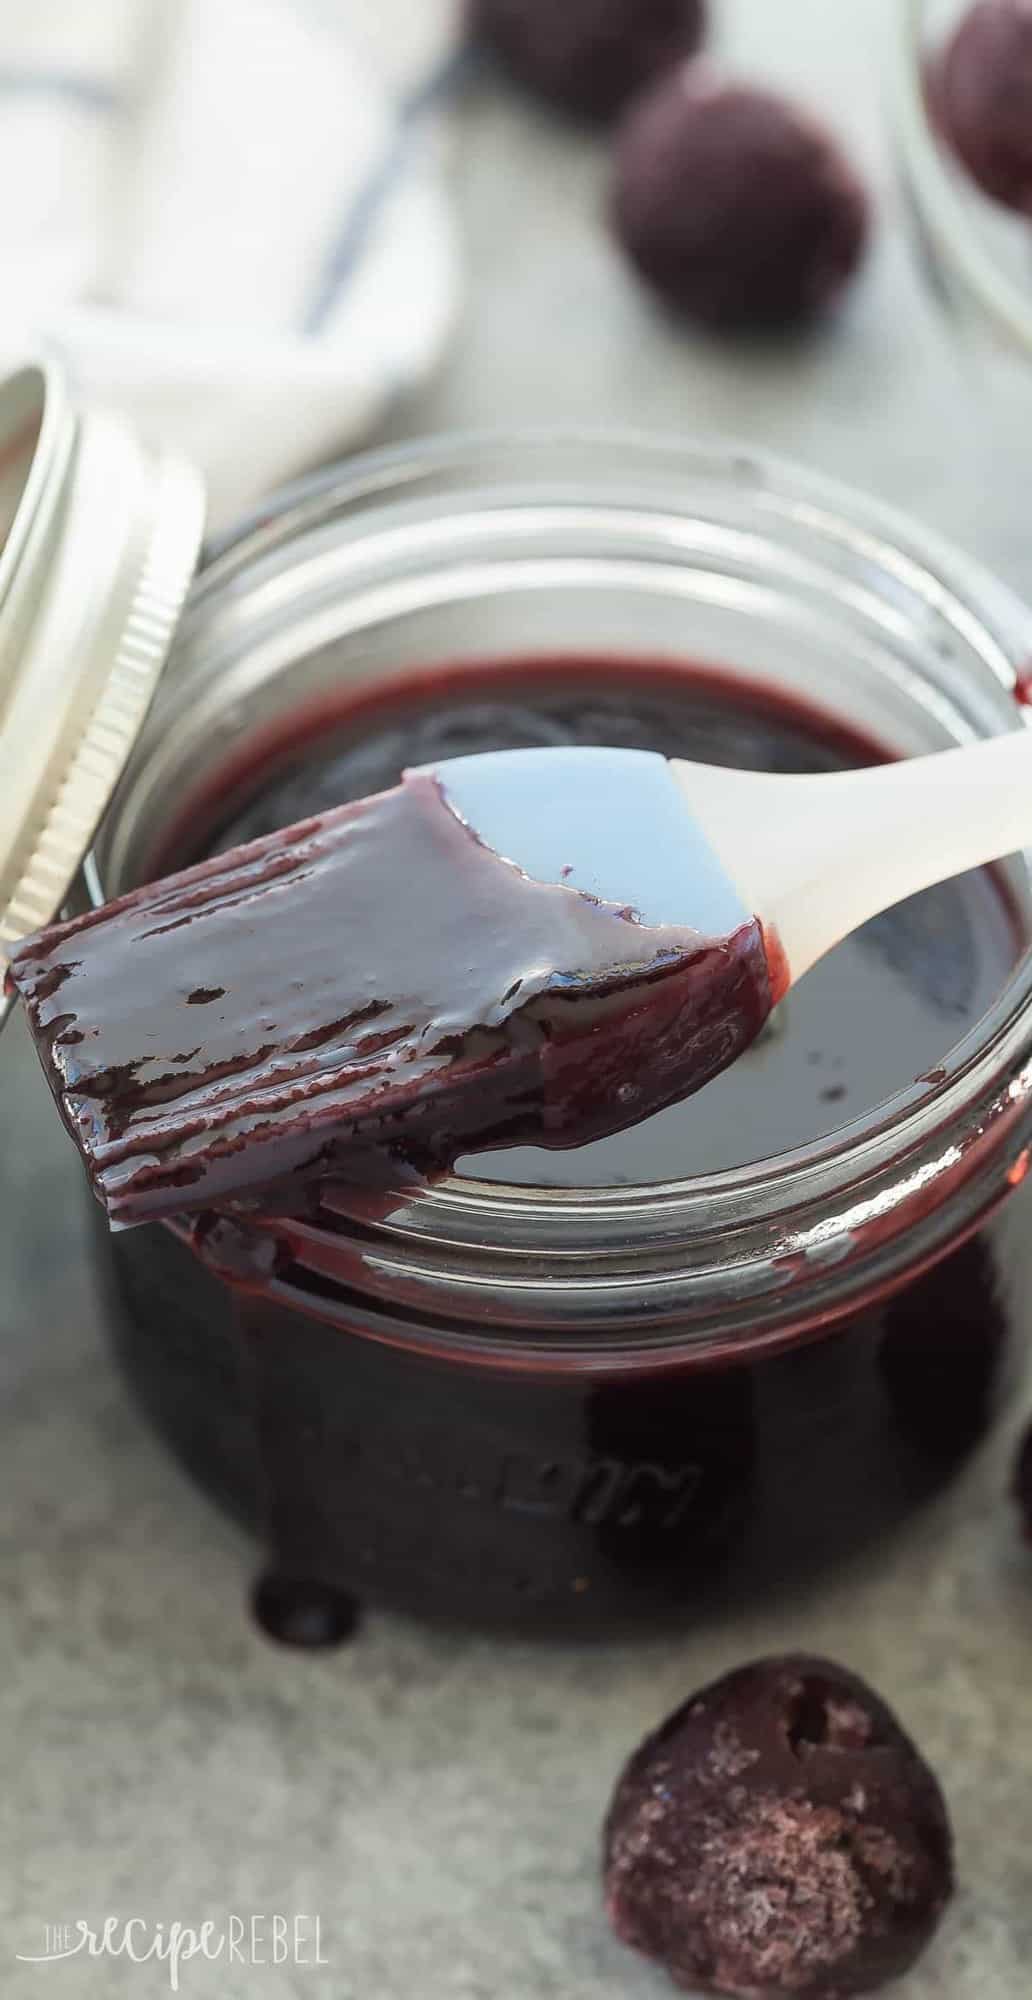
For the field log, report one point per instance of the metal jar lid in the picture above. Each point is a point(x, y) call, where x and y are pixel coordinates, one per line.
point(99, 539)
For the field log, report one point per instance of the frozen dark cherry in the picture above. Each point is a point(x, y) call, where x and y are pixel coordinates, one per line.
point(589, 56)
point(780, 1834)
point(1023, 1484)
point(737, 209)
point(980, 91)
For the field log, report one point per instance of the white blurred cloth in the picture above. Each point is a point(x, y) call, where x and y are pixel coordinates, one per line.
point(228, 216)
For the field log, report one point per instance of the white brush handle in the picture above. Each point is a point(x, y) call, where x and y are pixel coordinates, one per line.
point(819, 856)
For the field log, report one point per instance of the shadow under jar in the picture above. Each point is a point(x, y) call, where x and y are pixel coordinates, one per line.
point(589, 1390)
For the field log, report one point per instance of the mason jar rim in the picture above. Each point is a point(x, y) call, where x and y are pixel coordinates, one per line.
point(604, 1275)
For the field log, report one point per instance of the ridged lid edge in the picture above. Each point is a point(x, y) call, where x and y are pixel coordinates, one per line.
point(107, 603)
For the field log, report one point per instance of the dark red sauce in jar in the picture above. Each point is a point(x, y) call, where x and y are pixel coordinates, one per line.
point(582, 1496)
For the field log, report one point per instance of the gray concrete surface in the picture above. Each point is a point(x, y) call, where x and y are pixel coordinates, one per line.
point(436, 1799)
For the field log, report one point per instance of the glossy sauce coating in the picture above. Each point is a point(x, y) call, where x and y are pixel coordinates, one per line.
point(366, 994)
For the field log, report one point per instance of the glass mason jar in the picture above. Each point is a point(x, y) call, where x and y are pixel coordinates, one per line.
point(585, 1407)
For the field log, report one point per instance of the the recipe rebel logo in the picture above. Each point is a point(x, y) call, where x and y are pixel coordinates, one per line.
point(254, 1940)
